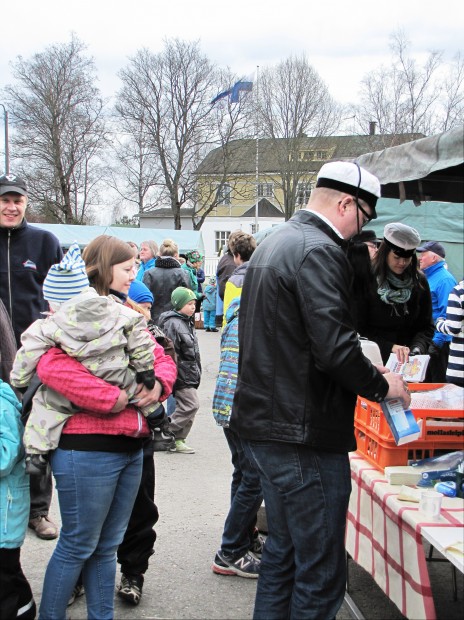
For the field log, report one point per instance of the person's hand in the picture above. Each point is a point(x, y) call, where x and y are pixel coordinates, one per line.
point(121, 403)
point(398, 388)
point(434, 350)
point(402, 353)
point(146, 397)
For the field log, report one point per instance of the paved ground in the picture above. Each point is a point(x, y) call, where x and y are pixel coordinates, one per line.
point(192, 495)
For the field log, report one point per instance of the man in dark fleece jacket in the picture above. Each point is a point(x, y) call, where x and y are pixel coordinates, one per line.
point(26, 255)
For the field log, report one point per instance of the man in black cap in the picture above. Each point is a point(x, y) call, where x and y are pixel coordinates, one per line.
point(441, 283)
point(300, 369)
point(26, 255)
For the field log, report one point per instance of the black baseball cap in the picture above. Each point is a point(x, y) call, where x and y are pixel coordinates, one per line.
point(12, 184)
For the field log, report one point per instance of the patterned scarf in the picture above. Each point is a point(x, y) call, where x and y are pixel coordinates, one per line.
point(401, 291)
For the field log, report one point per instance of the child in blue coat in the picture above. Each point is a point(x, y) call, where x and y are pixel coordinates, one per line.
point(16, 600)
point(209, 306)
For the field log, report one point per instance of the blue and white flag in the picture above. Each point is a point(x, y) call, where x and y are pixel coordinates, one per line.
point(234, 92)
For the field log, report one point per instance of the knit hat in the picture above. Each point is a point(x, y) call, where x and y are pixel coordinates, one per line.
point(401, 238)
point(66, 279)
point(140, 293)
point(194, 256)
point(181, 296)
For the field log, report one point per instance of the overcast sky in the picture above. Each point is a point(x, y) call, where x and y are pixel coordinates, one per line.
point(342, 40)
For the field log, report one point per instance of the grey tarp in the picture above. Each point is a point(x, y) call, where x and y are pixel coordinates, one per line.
point(67, 234)
point(428, 169)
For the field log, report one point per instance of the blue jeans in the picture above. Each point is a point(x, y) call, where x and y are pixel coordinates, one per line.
point(96, 492)
point(209, 319)
point(246, 498)
point(306, 493)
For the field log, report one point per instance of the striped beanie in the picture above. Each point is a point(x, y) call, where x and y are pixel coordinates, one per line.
point(67, 278)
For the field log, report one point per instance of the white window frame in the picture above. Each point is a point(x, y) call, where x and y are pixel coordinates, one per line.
point(220, 239)
point(224, 192)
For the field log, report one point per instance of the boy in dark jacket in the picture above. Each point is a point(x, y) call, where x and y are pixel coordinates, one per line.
point(179, 326)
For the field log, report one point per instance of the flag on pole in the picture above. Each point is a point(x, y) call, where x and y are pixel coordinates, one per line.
point(234, 92)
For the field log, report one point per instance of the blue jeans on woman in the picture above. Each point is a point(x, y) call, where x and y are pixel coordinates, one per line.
point(96, 492)
point(302, 574)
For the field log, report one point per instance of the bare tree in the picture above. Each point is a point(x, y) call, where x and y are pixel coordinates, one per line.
point(133, 167)
point(410, 98)
point(169, 95)
point(232, 121)
point(293, 103)
point(453, 100)
point(59, 130)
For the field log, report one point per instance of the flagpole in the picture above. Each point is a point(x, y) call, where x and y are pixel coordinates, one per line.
point(257, 151)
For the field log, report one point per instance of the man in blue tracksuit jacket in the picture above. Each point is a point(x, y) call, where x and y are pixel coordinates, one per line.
point(441, 283)
point(26, 255)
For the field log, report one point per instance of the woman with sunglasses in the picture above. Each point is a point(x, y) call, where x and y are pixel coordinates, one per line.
point(397, 314)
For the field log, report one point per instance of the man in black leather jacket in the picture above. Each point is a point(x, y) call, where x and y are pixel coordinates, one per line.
point(300, 368)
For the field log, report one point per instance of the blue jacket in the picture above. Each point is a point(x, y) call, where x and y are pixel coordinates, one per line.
point(228, 366)
point(150, 264)
point(441, 283)
point(14, 482)
point(209, 302)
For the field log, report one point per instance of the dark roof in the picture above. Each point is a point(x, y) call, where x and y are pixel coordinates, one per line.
point(265, 209)
point(242, 153)
point(166, 212)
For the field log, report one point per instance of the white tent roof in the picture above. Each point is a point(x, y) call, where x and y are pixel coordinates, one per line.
point(67, 234)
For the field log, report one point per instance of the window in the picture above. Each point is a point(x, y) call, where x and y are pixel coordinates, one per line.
point(302, 194)
point(223, 194)
point(265, 190)
point(221, 237)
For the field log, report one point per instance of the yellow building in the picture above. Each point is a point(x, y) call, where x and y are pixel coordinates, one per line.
point(231, 180)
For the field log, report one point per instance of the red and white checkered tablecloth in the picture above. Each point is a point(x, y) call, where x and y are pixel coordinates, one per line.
point(383, 535)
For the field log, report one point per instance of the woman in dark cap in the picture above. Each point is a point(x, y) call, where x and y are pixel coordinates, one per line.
point(397, 314)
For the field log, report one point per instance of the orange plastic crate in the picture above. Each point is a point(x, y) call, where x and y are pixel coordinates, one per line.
point(436, 426)
point(383, 453)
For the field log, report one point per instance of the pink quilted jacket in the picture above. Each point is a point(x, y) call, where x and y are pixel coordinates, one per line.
point(96, 397)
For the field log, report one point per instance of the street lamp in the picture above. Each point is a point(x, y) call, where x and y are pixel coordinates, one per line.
point(7, 146)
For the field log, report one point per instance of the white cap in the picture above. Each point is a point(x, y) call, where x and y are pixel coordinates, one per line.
point(401, 238)
point(349, 177)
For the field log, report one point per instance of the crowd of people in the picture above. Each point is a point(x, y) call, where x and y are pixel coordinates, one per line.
point(100, 368)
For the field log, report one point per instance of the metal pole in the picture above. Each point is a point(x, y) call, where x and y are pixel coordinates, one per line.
point(7, 146)
point(257, 152)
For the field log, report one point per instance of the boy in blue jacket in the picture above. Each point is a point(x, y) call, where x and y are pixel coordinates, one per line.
point(16, 600)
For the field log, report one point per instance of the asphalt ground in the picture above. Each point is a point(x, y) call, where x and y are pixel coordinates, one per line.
point(192, 495)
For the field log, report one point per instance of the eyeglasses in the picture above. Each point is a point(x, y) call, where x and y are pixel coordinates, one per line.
point(367, 216)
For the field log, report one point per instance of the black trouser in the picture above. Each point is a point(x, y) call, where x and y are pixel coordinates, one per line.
point(436, 370)
point(41, 495)
point(16, 600)
point(137, 545)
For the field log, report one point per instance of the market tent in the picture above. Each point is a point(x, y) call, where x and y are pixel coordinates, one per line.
point(428, 169)
point(435, 221)
point(67, 234)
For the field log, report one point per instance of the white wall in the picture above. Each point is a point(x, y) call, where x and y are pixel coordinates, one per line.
point(215, 224)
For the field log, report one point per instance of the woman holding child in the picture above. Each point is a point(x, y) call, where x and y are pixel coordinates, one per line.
point(98, 463)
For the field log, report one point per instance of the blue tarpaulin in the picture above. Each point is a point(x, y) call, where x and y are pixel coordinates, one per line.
point(67, 234)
